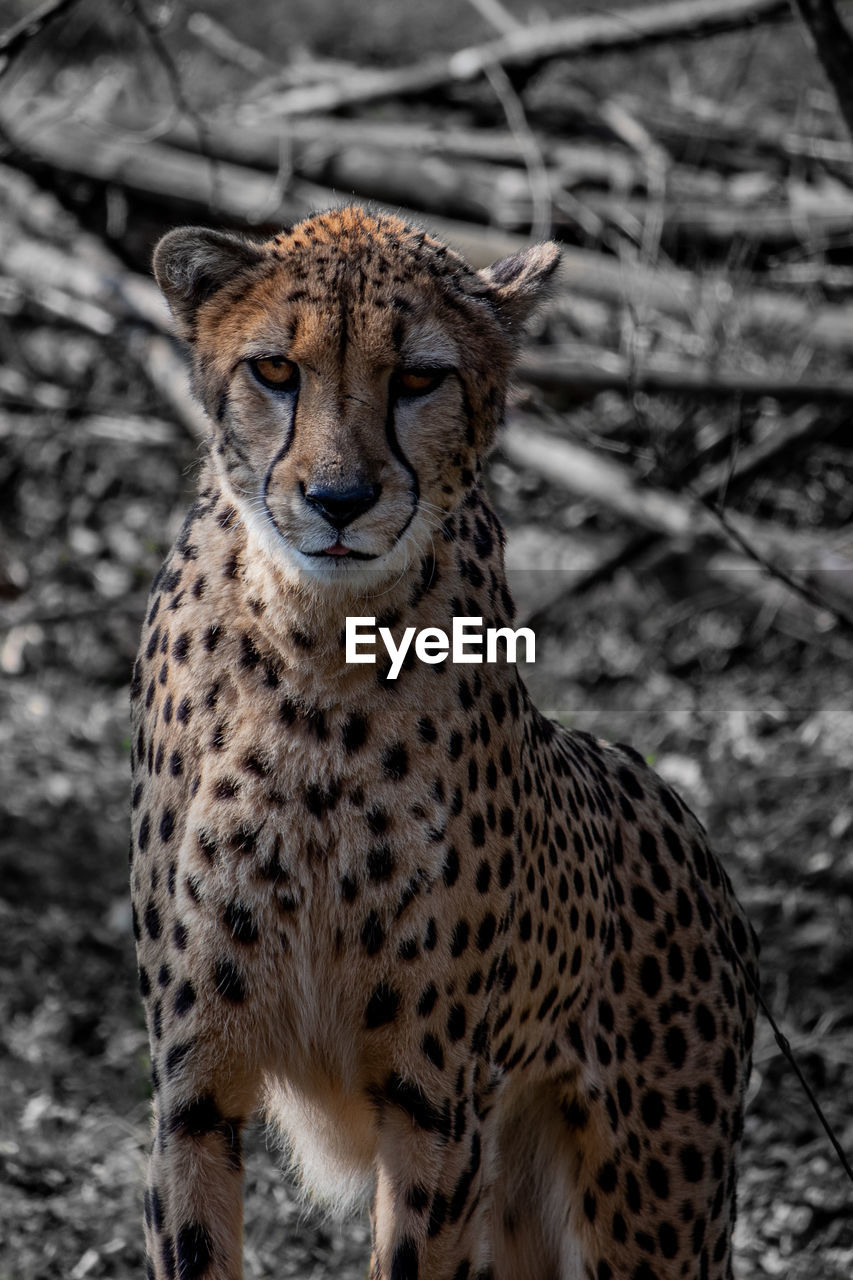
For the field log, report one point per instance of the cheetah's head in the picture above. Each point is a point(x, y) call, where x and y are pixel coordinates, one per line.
point(354, 371)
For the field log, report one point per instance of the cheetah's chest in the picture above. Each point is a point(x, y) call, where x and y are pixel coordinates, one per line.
point(338, 830)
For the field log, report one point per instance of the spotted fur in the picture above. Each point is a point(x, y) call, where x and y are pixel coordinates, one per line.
point(480, 970)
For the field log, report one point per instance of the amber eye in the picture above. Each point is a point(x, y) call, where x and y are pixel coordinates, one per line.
point(418, 382)
point(275, 372)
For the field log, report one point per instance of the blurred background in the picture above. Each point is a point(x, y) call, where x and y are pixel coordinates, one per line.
point(676, 477)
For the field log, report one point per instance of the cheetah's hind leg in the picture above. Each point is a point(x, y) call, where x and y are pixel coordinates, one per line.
point(533, 1236)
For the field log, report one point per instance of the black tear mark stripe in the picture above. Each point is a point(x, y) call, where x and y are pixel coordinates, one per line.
point(282, 453)
point(397, 450)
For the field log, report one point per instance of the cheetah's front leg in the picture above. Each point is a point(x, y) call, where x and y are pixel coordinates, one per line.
point(194, 1194)
point(431, 1213)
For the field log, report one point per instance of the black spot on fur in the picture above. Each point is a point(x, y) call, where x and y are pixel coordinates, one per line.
point(400, 1093)
point(229, 981)
point(184, 998)
point(152, 920)
point(382, 1006)
point(404, 1261)
point(372, 934)
point(193, 1250)
point(395, 761)
point(240, 923)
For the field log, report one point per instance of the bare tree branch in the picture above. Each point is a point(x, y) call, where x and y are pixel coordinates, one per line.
point(587, 370)
point(161, 51)
point(661, 514)
point(614, 485)
point(535, 44)
point(226, 45)
point(834, 47)
point(777, 571)
point(20, 33)
point(492, 11)
point(50, 137)
point(537, 172)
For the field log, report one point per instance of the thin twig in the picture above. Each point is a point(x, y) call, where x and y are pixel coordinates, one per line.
point(735, 439)
point(833, 45)
point(162, 53)
point(814, 598)
point(582, 34)
point(494, 13)
point(516, 117)
point(226, 45)
point(781, 1039)
point(534, 161)
point(20, 33)
point(628, 129)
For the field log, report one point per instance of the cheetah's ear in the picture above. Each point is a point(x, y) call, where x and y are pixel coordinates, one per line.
point(518, 283)
point(191, 264)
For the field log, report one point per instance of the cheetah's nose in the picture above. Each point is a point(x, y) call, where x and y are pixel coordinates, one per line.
point(342, 506)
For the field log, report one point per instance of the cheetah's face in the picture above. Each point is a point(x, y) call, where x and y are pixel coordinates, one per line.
point(355, 373)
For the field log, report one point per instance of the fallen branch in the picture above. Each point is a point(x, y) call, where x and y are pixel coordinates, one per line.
point(256, 139)
point(470, 173)
point(315, 141)
point(21, 32)
point(97, 293)
point(427, 182)
point(661, 513)
point(809, 275)
point(395, 164)
point(92, 290)
point(166, 370)
point(731, 135)
point(530, 46)
point(817, 217)
point(250, 197)
point(146, 168)
point(118, 427)
point(587, 370)
point(482, 192)
point(615, 486)
point(319, 136)
point(43, 293)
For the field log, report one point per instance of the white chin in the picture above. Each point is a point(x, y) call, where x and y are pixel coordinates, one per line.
point(300, 568)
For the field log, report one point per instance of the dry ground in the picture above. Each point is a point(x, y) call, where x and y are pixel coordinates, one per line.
point(748, 715)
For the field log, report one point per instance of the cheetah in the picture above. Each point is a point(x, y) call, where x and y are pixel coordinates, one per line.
point(480, 971)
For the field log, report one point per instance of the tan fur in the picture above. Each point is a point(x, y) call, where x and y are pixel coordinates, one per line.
point(474, 965)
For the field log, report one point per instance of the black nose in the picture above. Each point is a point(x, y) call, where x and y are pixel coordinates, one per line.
point(342, 506)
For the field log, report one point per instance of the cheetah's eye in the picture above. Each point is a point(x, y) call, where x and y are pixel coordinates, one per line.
point(410, 383)
point(275, 372)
